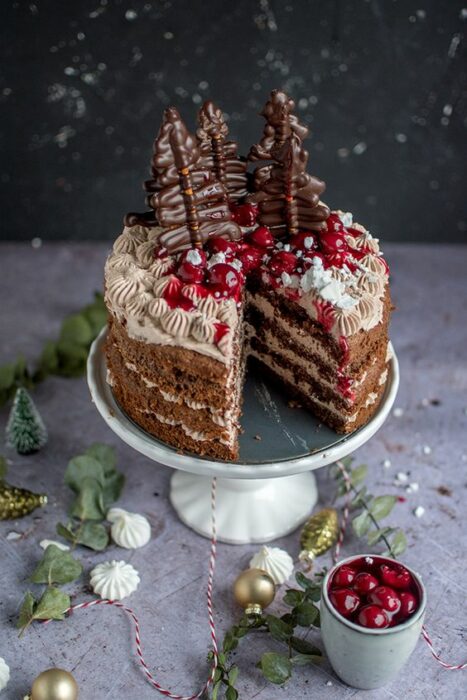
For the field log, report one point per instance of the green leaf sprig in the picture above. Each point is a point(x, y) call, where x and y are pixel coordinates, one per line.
point(65, 356)
point(96, 484)
point(370, 510)
point(276, 667)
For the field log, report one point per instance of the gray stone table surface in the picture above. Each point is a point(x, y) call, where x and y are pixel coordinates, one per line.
point(427, 438)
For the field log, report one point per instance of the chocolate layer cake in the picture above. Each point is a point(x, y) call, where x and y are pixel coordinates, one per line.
point(219, 271)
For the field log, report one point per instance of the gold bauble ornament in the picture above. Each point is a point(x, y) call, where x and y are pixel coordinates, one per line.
point(54, 684)
point(318, 534)
point(16, 502)
point(254, 590)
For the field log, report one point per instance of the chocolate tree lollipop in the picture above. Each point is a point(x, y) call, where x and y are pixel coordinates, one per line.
point(219, 155)
point(287, 196)
point(189, 203)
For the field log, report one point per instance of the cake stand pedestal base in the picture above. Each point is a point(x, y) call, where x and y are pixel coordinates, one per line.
point(247, 510)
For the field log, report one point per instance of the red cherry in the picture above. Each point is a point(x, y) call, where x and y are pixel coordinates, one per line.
point(341, 259)
point(190, 273)
point(224, 279)
point(303, 240)
point(244, 214)
point(261, 237)
point(222, 245)
point(193, 256)
point(344, 600)
point(408, 604)
point(221, 330)
point(365, 582)
point(373, 617)
point(396, 576)
point(334, 223)
point(160, 252)
point(386, 598)
point(171, 292)
point(332, 242)
point(250, 257)
point(283, 261)
point(344, 576)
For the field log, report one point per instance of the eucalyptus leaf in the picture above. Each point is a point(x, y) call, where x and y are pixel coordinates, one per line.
point(278, 629)
point(7, 375)
point(89, 502)
point(382, 506)
point(398, 543)
point(66, 532)
point(93, 535)
point(377, 535)
point(105, 454)
point(113, 488)
point(306, 613)
point(293, 597)
point(358, 474)
point(26, 611)
point(275, 667)
point(360, 498)
point(82, 467)
point(76, 329)
point(230, 642)
point(96, 316)
point(303, 646)
point(215, 690)
point(52, 605)
point(306, 659)
point(231, 693)
point(361, 524)
point(233, 675)
point(56, 566)
point(48, 361)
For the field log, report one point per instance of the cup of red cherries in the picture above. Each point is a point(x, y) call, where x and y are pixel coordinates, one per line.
point(372, 612)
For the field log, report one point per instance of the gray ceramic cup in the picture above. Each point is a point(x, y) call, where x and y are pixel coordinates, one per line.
point(368, 658)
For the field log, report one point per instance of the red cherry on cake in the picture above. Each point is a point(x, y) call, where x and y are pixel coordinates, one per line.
point(224, 279)
point(261, 237)
point(244, 214)
point(303, 240)
point(395, 576)
point(222, 245)
point(334, 223)
point(344, 600)
point(190, 273)
point(250, 257)
point(160, 252)
point(408, 604)
point(373, 617)
point(332, 242)
point(344, 576)
point(386, 598)
point(365, 582)
point(283, 261)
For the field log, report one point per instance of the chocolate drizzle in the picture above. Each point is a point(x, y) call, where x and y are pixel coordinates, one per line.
point(219, 155)
point(288, 197)
point(188, 201)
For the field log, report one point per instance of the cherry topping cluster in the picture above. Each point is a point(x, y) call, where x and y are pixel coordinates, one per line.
point(373, 592)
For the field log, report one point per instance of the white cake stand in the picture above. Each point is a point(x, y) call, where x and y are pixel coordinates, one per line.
point(259, 498)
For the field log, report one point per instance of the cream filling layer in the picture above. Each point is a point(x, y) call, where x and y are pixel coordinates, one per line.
point(193, 434)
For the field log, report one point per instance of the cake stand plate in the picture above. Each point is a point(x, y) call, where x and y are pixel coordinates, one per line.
point(271, 489)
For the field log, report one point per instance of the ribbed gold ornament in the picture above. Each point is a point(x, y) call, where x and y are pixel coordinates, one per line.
point(319, 534)
point(16, 502)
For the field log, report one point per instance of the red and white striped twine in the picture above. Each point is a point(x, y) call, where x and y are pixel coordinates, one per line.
point(212, 627)
point(345, 518)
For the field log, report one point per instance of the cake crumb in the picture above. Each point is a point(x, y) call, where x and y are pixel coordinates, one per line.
point(426, 450)
point(412, 488)
point(386, 463)
point(401, 477)
point(419, 511)
point(444, 491)
point(258, 437)
point(329, 683)
point(398, 412)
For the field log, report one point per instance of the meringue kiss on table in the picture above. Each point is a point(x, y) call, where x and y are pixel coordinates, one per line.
point(129, 530)
point(114, 580)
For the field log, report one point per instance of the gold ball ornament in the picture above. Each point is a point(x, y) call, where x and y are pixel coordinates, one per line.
point(54, 684)
point(254, 590)
point(318, 534)
point(16, 502)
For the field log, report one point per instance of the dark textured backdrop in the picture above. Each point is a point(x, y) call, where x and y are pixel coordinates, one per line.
point(381, 83)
